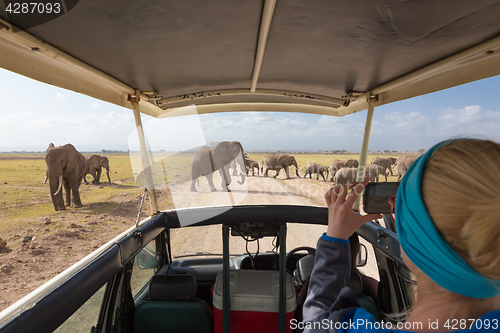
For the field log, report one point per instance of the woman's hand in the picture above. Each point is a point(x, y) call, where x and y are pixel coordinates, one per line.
point(342, 220)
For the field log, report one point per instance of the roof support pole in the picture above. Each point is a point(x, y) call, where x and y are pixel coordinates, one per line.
point(282, 279)
point(265, 25)
point(146, 162)
point(226, 297)
point(364, 148)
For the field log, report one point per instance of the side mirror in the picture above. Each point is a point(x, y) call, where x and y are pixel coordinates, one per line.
point(147, 259)
point(362, 256)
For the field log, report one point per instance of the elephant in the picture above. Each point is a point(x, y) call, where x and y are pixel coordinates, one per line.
point(348, 175)
point(207, 160)
point(51, 145)
point(403, 164)
point(351, 163)
point(251, 165)
point(345, 175)
point(318, 169)
point(376, 170)
point(93, 166)
point(65, 167)
point(278, 162)
point(334, 166)
point(386, 162)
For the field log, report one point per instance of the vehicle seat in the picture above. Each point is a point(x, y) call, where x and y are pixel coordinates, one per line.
point(304, 268)
point(172, 307)
point(366, 302)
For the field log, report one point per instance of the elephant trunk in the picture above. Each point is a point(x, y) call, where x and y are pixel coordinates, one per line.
point(109, 179)
point(55, 184)
point(296, 169)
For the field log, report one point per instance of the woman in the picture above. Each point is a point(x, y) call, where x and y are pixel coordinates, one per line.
point(448, 224)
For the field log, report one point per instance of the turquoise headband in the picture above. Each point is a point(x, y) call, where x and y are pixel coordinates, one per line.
point(425, 247)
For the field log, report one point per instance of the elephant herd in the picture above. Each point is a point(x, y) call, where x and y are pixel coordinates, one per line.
point(230, 155)
point(67, 167)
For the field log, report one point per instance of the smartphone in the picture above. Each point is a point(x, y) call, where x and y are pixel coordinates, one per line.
point(376, 197)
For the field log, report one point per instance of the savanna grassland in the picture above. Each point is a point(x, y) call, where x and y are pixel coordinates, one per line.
point(42, 242)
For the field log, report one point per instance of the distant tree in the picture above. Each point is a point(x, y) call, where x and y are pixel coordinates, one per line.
point(421, 150)
point(387, 151)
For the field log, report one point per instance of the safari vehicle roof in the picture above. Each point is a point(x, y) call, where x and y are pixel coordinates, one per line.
point(318, 56)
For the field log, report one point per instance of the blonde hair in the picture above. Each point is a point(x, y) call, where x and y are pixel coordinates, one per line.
point(461, 191)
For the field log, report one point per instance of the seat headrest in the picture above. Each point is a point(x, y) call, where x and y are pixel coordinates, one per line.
point(355, 283)
point(172, 287)
point(305, 266)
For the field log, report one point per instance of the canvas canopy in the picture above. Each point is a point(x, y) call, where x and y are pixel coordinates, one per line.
point(323, 57)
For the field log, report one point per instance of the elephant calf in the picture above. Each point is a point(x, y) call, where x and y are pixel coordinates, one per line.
point(376, 170)
point(93, 166)
point(250, 165)
point(318, 169)
point(278, 162)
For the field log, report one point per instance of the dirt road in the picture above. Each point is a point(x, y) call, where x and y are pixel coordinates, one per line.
point(256, 190)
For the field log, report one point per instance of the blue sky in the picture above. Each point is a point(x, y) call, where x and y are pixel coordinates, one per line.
point(33, 114)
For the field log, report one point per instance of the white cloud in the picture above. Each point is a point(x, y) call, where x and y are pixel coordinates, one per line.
point(95, 105)
point(60, 96)
point(401, 130)
point(29, 131)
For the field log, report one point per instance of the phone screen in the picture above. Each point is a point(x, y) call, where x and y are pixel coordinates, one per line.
point(376, 197)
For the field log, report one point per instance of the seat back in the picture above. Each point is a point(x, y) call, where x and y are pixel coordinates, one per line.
point(172, 307)
point(356, 285)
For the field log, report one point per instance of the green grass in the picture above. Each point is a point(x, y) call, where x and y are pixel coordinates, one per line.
point(23, 197)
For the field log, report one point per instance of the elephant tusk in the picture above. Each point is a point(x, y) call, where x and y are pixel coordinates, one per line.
point(60, 185)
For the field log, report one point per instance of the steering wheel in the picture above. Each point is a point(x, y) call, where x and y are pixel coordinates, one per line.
point(310, 250)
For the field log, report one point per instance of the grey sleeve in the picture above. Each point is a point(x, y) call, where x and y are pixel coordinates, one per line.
point(328, 298)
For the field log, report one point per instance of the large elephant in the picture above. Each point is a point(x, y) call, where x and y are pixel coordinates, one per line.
point(207, 160)
point(94, 165)
point(403, 164)
point(318, 169)
point(278, 162)
point(251, 165)
point(386, 162)
point(351, 163)
point(65, 167)
point(334, 166)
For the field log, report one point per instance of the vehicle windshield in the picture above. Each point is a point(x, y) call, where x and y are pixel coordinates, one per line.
point(284, 158)
point(34, 231)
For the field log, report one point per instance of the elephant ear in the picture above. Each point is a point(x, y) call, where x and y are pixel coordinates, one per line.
point(71, 162)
